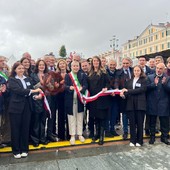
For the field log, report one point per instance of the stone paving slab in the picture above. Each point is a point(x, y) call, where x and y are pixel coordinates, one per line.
point(115, 157)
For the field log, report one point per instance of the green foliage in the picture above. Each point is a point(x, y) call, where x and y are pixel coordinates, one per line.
point(62, 51)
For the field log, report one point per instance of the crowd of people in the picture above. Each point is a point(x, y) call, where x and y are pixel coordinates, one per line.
point(144, 96)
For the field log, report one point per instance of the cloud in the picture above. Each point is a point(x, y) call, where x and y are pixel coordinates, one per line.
point(40, 26)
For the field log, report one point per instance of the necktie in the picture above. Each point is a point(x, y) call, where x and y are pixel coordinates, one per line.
point(127, 74)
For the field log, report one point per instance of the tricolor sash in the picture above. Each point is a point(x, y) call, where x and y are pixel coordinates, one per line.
point(4, 75)
point(46, 104)
point(86, 98)
point(77, 86)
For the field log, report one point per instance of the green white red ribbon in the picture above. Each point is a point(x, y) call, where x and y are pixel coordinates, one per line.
point(86, 98)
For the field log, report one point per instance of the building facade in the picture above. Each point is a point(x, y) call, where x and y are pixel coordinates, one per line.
point(114, 54)
point(154, 39)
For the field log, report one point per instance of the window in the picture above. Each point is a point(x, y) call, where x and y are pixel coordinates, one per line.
point(140, 52)
point(156, 37)
point(162, 46)
point(169, 45)
point(156, 48)
point(167, 32)
point(151, 38)
point(145, 51)
point(162, 34)
point(150, 49)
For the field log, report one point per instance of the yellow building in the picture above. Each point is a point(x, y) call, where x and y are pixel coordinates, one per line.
point(154, 39)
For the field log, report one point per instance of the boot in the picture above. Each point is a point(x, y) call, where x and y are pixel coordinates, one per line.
point(152, 140)
point(101, 139)
point(97, 135)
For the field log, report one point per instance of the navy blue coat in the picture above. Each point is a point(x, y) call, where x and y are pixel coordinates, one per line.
point(69, 93)
point(149, 71)
point(157, 96)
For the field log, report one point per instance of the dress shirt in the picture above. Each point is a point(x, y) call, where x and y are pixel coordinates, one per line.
point(22, 81)
point(134, 82)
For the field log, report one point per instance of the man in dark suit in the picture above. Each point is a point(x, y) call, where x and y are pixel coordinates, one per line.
point(142, 62)
point(158, 86)
point(122, 76)
point(110, 129)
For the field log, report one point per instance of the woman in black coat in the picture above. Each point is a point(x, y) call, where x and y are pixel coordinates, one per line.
point(134, 92)
point(20, 105)
point(99, 109)
point(39, 115)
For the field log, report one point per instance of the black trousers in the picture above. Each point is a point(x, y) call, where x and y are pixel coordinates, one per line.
point(38, 127)
point(20, 130)
point(51, 123)
point(164, 125)
point(136, 119)
point(62, 117)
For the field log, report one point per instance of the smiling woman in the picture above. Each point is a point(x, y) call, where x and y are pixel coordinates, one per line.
point(20, 106)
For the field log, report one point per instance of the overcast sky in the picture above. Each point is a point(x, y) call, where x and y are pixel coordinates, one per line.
point(84, 26)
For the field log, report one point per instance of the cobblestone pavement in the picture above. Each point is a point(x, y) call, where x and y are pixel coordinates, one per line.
point(111, 156)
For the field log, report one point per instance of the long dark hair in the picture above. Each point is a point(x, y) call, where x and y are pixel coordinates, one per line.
point(29, 69)
point(13, 73)
point(37, 64)
point(142, 74)
point(100, 70)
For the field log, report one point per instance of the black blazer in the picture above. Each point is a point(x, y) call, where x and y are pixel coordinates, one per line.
point(136, 98)
point(19, 96)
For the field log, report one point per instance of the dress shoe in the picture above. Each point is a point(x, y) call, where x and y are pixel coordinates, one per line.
point(44, 142)
point(101, 142)
point(165, 140)
point(52, 138)
point(125, 135)
point(152, 140)
point(35, 144)
point(94, 138)
point(147, 132)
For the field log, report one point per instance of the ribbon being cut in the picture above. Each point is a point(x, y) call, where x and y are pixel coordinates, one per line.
point(86, 98)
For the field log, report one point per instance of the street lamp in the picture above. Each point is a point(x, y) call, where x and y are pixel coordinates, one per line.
point(114, 44)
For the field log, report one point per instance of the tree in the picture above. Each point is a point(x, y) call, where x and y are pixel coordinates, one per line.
point(62, 51)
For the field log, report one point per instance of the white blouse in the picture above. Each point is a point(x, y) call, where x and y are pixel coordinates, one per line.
point(134, 82)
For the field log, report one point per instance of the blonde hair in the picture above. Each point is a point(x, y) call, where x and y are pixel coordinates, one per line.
point(61, 60)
